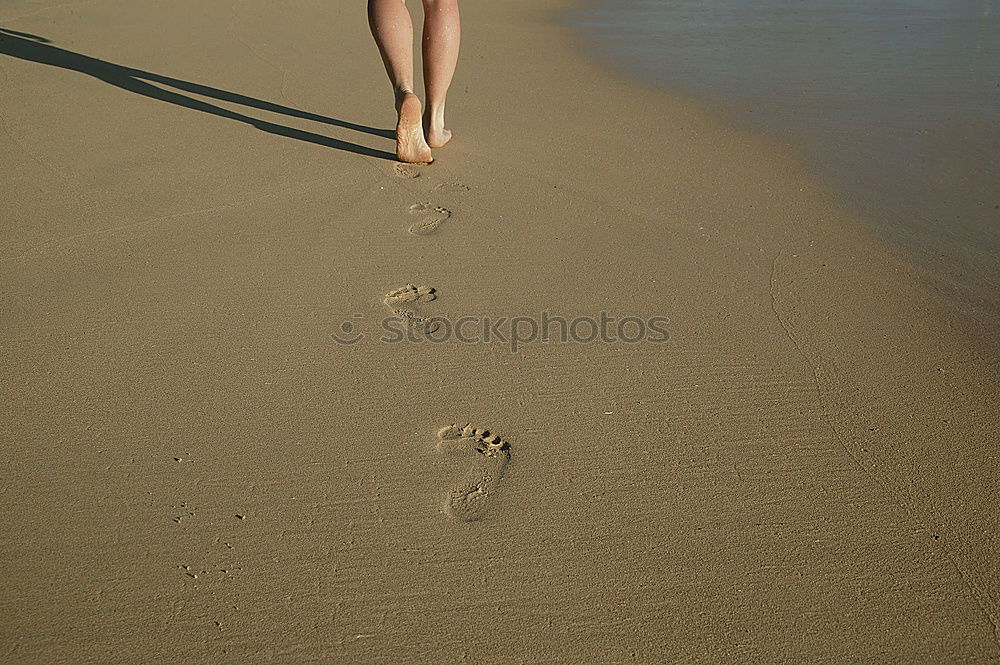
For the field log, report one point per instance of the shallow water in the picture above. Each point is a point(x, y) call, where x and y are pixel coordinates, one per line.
point(895, 103)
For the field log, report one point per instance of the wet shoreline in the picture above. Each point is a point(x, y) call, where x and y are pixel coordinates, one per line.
point(892, 105)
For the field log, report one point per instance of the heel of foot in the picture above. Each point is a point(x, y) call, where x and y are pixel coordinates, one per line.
point(411, 146)
point(467, 503)
point(438, 139)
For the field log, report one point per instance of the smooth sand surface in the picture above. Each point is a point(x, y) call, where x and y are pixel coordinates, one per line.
point(893, 106)
point(195, 472)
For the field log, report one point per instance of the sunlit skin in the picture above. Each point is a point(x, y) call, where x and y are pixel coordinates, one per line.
point(417, 129)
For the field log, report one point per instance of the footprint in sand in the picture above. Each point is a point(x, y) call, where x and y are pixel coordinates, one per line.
point(409, 293)
point(430, 218)
point(412, 294)
point(451, 187)
point(406, 171)
point(468, 501)
point(416, 322)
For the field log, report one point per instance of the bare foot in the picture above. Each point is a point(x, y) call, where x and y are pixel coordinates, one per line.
point(437, 137)
point(410, 144)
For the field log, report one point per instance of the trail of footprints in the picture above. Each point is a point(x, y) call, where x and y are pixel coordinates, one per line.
point(412, 171)
point(468, 501)
point(429, 217)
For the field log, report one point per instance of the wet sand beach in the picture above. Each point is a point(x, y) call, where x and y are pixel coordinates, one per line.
point(891, 104)
point(200, 199)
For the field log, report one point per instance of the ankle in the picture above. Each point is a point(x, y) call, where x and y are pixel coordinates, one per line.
point(401, 93)
point(434, 117)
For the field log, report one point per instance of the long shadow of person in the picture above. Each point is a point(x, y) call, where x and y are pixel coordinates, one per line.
point(38, 49)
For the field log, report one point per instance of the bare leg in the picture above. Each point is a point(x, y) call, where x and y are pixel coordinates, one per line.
point(393, 31)
point(442, 34)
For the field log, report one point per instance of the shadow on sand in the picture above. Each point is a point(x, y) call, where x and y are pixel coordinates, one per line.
point(37, 49)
